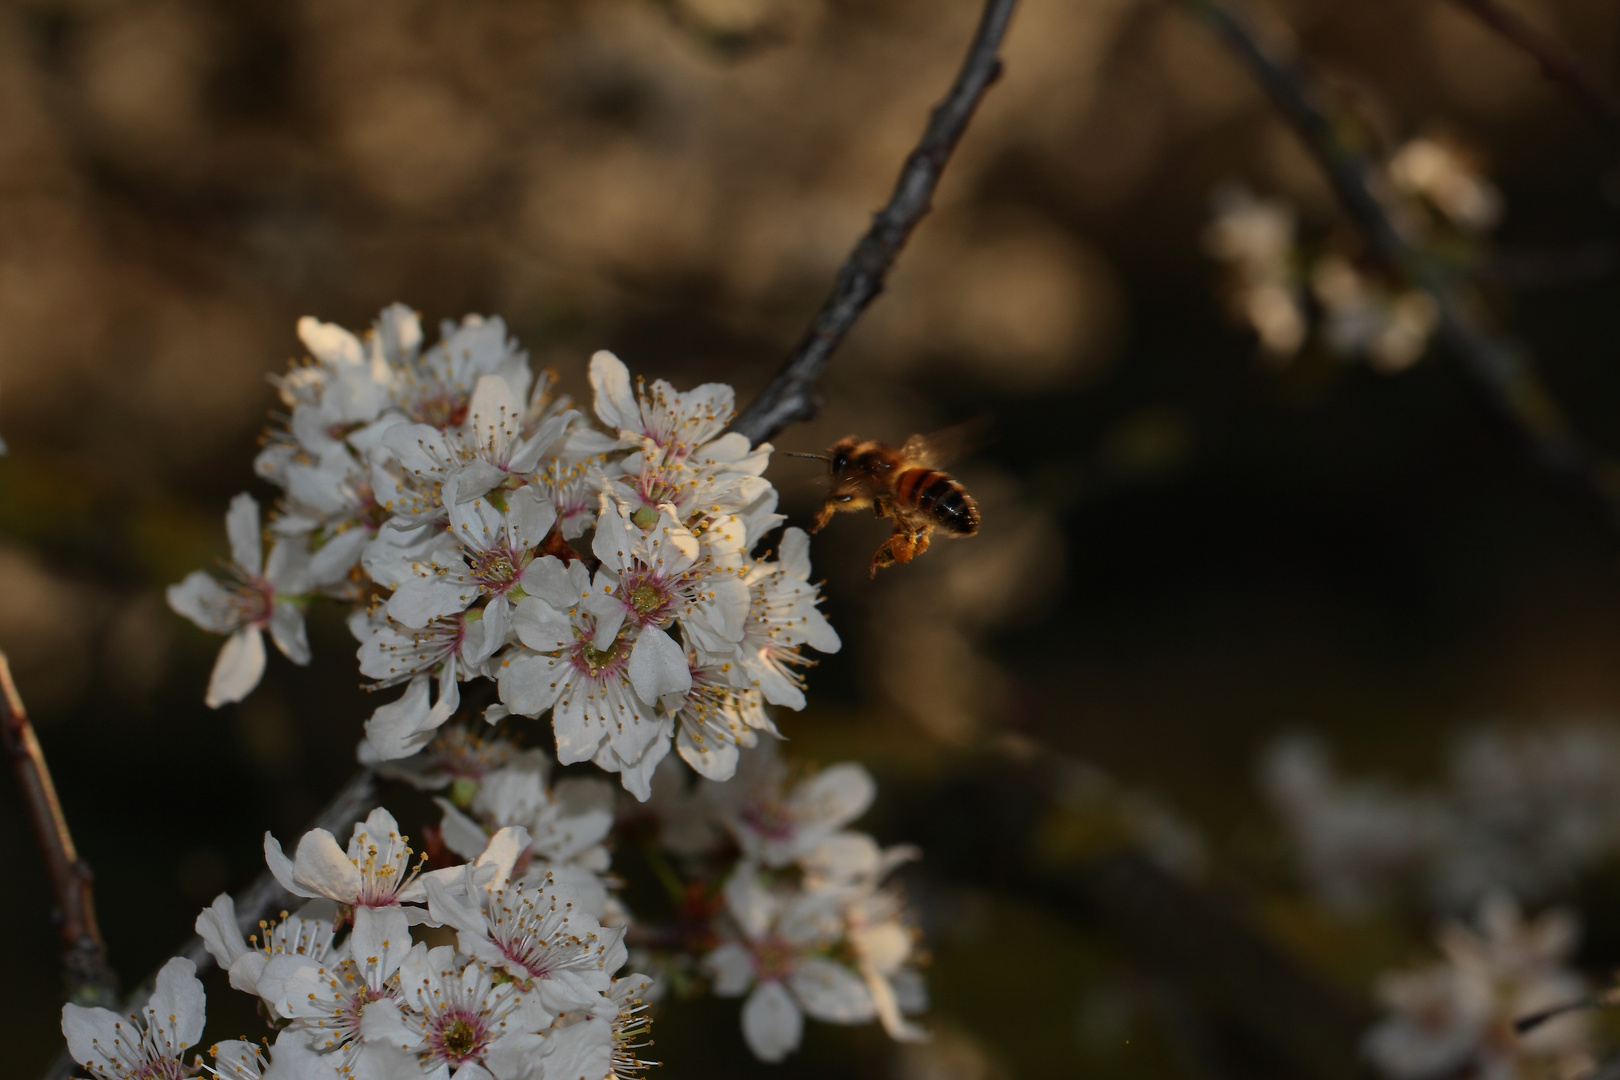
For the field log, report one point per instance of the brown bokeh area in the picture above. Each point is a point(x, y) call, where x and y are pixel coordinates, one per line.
point(1186, 550)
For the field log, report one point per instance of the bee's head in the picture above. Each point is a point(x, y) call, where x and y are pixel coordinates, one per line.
point(841, 453)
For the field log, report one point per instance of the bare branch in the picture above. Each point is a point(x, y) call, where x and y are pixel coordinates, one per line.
point(1497, 368)
point(795, 394)
point(1557, 63)
point(255, 902)
point(84, 958)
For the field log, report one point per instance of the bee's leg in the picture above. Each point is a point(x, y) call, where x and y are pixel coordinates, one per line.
point(900, 547)
point(924, 537)
point(824, 515)
point(838, 500)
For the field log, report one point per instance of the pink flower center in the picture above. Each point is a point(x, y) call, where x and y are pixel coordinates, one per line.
point(774, 959)
point(496, 570)
point(647, 598)
point(769, 820)
point(599, 664)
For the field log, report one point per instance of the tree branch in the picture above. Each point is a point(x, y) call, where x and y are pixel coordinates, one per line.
point(795, 393)
point(1494, 366)
point(1557, 63)
point(84, 958)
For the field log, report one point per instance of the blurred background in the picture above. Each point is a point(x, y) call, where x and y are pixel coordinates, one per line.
point(1189, 549)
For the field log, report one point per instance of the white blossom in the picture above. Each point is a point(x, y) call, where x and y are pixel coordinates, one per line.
point(1458, 1015)
point(265, 595)
point(145, 1046)
point(780, 957)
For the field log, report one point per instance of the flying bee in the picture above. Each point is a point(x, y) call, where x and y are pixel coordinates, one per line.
point(903, 483)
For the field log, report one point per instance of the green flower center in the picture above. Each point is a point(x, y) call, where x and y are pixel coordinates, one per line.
point(597, 659)
point(459, 1039)
point(644, 518)
point(646, 598)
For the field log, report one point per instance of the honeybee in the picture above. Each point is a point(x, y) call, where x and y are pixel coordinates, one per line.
point(903, 483)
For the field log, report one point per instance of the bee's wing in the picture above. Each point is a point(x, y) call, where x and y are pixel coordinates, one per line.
point(950, 444)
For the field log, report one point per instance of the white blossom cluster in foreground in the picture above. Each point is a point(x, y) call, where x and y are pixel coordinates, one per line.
point(774, 900)
point(1456, 1017)
point(437, 490)
point(526, 992)
point(1436, 199)
point(611, 578)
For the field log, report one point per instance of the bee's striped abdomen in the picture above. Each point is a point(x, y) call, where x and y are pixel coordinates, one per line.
point(940, 497)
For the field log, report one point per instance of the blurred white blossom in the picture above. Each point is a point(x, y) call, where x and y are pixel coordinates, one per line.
point(1456, 1017)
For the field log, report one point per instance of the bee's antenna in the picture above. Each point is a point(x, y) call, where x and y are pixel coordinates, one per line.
point(813, 457)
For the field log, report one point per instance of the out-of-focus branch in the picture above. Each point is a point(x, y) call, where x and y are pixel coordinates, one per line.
point(1497, 368)
point(1253, 999)
point(255, 902)
point(84, 958)
point(795, 393)
point(1556, 62)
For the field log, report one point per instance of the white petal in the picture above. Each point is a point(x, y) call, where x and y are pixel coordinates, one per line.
point(420, 600)
point(580, 1051)
point(337, 556)
point(216, 925)
point(203, 600)
point(281, 867)
point(831, 992)
point(324, 869)
point(835, 796)
point(287, 631)
point(460, 833)
point(715, 759)
point(287, 568)
point(242, 526)
point(541, 626)
point(749, 902)
point(399, 728)
point(616, 536)
point(177, 1005)
point(91, 1034)
point(772, 1024)
point(637, 777)
point(239, 668)
point(529, 682)
point(529, 516)
point(732, 968)
point(328, 342)
point(615, 402)
point(379, 941)
point(658, 666)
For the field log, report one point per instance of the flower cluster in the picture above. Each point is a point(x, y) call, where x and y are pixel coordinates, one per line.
point(527, 990)
point(437, 492)
point(780, 903)
point(1436, 200)
point(1523, 812)
point(629, 581)
point(1458, 1017)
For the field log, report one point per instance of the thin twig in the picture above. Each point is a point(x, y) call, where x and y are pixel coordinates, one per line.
point(795, 393)
point(1557, 63)
point(255, 902)
point(90, 981)
point(1497, 368)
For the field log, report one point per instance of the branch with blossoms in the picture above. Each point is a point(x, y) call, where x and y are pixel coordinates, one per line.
point(1498, 369)
point(444, 495)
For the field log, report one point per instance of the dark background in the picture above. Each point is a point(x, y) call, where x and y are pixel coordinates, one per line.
point(1186, 551)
